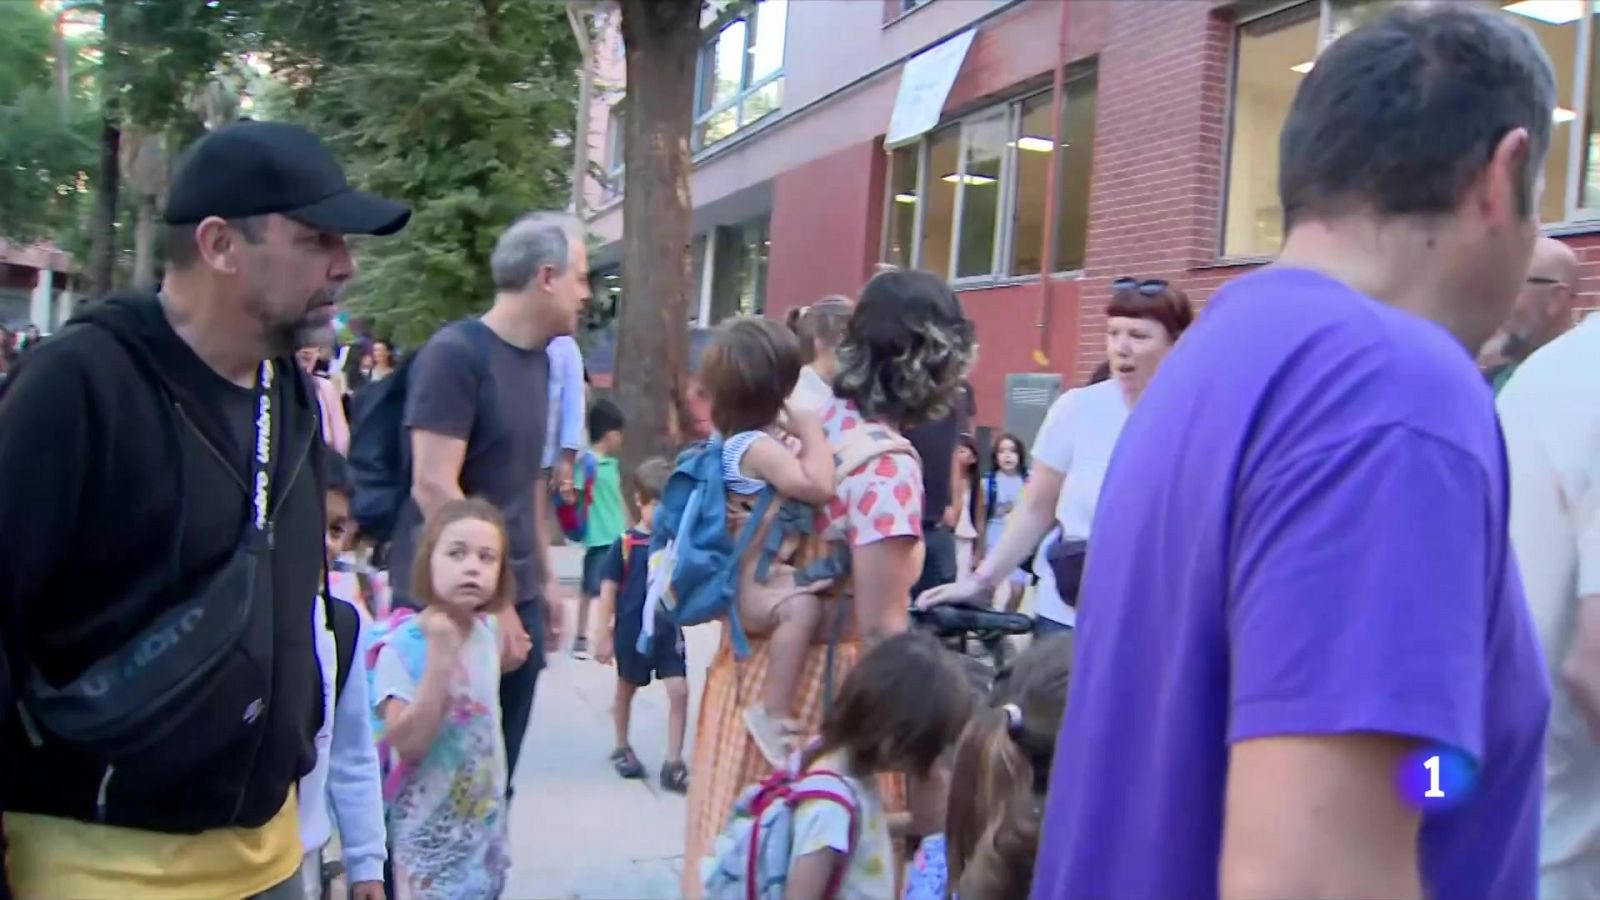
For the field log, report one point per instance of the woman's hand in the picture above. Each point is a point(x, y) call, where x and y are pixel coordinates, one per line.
point(973, 589)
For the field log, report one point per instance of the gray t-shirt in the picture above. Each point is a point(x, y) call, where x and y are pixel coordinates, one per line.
point(504, 441)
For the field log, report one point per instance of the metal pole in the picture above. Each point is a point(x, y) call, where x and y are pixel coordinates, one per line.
point(1047, 248)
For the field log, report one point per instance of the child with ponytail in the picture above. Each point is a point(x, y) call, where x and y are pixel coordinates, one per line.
point(1003, 762)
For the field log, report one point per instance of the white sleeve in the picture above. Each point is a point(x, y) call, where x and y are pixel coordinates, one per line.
point(354, 781)
point(390, 679)
point(820, 825)
point(1054, 444)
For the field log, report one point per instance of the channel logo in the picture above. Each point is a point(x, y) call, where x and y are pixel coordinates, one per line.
point(1436, 778)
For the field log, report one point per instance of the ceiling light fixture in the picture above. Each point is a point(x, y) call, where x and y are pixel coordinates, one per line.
point(969, 179)
point(1033, 144)
point(1304, 67)
point(1550, 12)
point(1562, 114)
point(905, 198)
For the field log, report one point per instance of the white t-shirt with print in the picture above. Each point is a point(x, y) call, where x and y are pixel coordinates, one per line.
point(1077, 438)
point(1550, 414)
point(447, 824)
point(821, 825)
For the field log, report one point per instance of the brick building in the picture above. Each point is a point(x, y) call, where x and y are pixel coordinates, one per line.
point(1166, 165)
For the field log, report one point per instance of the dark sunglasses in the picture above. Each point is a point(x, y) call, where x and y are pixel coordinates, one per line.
point(1542, 280)
point(1149, 287)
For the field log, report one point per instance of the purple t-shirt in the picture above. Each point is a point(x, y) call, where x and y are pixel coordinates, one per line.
point(1302, 531)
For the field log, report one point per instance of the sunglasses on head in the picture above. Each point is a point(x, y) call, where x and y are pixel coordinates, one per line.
point(1148, 287)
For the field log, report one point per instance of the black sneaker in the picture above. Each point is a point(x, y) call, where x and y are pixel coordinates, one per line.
point(675, 777)
point(626, 763)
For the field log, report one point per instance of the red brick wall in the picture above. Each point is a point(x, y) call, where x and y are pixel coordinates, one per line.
point(1155, 202)
point(826, 227)
point(1007, 320)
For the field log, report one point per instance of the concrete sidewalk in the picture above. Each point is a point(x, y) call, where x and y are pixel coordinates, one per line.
point(577, 830)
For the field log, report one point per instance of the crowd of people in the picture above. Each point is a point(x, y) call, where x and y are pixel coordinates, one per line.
point(1288, 557)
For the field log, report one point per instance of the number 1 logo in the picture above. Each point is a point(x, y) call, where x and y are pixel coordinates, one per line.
point(1432, 765)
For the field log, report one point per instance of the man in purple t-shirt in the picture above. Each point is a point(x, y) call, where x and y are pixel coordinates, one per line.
point(1300, 589)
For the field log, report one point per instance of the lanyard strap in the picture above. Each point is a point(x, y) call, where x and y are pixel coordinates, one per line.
point(261, 458)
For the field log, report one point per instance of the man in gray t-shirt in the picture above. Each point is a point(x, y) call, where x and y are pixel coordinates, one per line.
point(475, 413)
point(489, 395)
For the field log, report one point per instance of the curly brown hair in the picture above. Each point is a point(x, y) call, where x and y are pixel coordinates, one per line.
point(906, 349)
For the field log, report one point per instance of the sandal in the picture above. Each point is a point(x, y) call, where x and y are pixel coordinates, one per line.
point(675, 777)
point(775, 738)
point(626, 763)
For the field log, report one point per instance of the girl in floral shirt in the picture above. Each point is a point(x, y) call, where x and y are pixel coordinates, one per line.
point(436, 679)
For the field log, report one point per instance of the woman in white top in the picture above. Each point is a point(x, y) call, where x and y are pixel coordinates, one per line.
point(1143, 320)
point(820, 328)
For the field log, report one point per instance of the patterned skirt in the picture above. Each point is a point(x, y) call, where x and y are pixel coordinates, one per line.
point(725, 760)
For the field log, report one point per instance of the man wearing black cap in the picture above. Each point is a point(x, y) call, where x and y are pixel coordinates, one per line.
point(160, 481)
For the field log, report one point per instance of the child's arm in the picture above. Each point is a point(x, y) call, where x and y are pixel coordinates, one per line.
point(809, 875)
point(413, 726)
point(605, 649)
point(808, 477)
point(355, 785)
point(611, 576)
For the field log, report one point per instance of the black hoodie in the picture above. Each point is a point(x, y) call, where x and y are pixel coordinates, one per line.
point(91, 550)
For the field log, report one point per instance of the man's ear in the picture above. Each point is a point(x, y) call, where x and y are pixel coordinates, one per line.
point(218, 244)
point(1502, 182)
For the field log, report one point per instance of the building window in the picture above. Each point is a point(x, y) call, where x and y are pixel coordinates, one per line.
point(614, 149)
point(741, 71)
point(1273, 52)
point(908, 5)
point(968, 200)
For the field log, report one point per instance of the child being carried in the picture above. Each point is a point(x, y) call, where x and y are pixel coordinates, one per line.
point(748, 371)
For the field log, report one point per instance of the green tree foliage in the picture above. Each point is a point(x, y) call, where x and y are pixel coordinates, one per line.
point(42, 158)
point(462, 109)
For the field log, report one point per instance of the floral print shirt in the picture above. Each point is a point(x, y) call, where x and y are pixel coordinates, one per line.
point(447, 815)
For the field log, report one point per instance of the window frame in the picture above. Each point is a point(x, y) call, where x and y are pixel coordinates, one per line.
point(748, 12)
point(1001, 260)
point(1575, 215)
point(616, 146)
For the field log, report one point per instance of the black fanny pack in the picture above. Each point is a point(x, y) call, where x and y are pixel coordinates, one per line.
point(161, 679)
point(1066, 558)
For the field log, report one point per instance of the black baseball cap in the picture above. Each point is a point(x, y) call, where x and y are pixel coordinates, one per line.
point(251, 168)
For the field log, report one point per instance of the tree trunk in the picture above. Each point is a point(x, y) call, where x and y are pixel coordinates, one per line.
point(144, 245)
point(103, 230)
point(662, 39)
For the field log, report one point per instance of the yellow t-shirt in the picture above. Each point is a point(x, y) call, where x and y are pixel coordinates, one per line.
point(55, 857)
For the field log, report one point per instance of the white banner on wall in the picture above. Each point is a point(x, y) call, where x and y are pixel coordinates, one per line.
point(925, 82)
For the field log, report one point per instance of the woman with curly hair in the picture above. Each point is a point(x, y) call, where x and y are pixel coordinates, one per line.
point(905, 350)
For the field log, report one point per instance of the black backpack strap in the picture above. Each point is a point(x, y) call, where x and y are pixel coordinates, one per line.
point(345, 624)
point(482, 339)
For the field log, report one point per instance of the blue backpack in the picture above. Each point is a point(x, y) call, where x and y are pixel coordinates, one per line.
point(694, 560)
point(694, 557)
